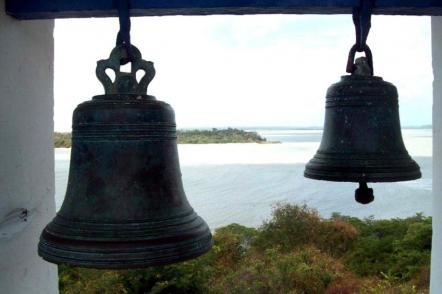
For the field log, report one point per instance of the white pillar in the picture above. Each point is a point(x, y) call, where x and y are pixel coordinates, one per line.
point(26, 153)
point(436, 254)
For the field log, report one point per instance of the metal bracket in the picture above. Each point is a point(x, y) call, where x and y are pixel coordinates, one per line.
point(123, 37)
point(362, 21)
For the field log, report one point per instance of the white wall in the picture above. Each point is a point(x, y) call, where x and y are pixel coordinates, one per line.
point(26, 153)
point(436, 254)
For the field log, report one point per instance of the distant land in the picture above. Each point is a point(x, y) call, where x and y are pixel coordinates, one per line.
point(418, 127)
point(277, 128)
point(306, 128)
point(220, 135)
point(210, 136)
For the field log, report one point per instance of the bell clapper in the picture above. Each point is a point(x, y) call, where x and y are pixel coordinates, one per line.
point(363, 194)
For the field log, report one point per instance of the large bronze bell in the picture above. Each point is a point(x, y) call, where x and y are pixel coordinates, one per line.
point(125, 205)
point(362, 139)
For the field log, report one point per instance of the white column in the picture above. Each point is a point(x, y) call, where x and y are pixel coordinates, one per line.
point(436, 254)
point(26, 153)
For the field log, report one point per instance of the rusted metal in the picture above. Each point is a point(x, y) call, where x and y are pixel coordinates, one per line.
point(125, 204)
point(362, 23)
point(362, 140)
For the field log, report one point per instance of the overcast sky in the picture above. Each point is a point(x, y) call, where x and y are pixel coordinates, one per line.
point(268, 70)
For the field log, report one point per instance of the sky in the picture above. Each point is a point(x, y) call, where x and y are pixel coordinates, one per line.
point(246, 71)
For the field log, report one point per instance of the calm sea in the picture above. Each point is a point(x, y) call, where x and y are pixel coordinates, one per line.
point(240, 183)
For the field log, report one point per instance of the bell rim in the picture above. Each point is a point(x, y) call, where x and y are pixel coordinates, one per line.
point(136, 230)
point(363, 177)
point(360, 167)
point(141, 258)
point(362, 173)
point(133, 244)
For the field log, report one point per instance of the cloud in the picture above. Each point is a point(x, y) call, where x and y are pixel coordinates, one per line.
point(246, 70)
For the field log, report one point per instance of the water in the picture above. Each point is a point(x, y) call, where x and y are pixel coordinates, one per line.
point(227, 183)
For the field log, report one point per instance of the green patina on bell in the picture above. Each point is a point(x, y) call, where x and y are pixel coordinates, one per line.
point(125, 205)
point(362, 140)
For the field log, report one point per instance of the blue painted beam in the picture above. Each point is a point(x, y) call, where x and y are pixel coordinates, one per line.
point(47, 9)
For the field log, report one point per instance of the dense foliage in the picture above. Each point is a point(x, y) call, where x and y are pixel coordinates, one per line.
point(296, 251)
point(63, 140)
point(218, 136)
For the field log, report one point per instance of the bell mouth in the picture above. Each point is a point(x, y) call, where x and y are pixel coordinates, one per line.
point(93, 247)
point(347, 168)
point(123, 255)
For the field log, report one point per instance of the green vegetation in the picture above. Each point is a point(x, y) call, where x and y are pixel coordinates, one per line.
point(63, 140)
point(218, 136)
point(296, 251)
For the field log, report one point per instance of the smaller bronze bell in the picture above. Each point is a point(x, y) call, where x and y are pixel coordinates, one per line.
point(125, 204)
point(362, 139)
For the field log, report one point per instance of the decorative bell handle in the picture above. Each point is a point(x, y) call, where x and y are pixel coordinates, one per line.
point(125, 83)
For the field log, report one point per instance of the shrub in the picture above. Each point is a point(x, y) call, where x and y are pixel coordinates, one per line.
point(290, 226)
point(305, 270)
point(397, 248)
point(296, 251)
point(231, 243)
point(293, 225)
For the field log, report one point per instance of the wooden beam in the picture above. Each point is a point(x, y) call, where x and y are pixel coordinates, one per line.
point(48, 9)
